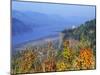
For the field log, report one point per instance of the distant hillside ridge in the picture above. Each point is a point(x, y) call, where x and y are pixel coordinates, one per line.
point(86, 31)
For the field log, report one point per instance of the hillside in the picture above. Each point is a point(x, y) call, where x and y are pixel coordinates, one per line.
point(18, 27)
point(86, 31)
point(25, 21)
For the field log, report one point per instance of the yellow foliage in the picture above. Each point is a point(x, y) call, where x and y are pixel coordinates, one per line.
point(50, 64)
point(67, 52)
point(61, 66)
point(26, 61)
point(85, 59)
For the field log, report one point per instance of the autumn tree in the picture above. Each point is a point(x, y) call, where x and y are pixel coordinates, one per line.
point(67, 52)
point(50, 64)
point(86, 59)
point(61, 66)
point(25, 61)
point(65, 62)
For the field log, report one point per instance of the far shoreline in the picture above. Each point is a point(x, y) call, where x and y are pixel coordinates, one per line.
point(37, 41)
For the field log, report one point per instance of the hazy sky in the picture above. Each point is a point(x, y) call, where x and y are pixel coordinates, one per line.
point(57, 9)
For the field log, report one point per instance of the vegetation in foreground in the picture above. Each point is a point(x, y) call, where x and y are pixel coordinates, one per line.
point(77, 52)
